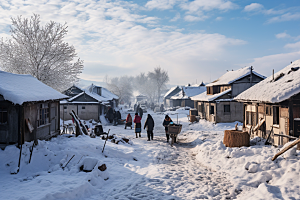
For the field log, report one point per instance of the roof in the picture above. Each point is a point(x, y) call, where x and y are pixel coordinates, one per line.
point(189, 91)
point(204, 97)
point(104, 92)
point(286, 83)
point(93, 95)
point(170, 91)
point(232, 76)
point(20, 88)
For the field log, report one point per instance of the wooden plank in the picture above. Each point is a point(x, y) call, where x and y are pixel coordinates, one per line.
point(284, 112)
point(285, 149)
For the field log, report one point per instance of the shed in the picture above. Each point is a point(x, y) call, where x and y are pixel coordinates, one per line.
point(29, 109)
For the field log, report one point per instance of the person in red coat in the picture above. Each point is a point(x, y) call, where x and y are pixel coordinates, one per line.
point(137, 127)
point(128, 121)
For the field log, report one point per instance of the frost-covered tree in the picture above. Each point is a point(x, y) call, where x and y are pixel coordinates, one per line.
point(145, 86)
point(121, 86)
point(159, 77)
point(40, 51)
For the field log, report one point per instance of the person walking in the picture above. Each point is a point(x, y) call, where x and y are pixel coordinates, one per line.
point(128, 121)
point(166, 122)
point(149, 124)
point(137, 126)
point(140, 112)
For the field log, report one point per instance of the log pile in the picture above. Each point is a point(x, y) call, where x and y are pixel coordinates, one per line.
point(234, 138)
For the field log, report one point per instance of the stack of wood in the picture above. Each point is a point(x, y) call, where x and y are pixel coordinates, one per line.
point(235, 138)
point(193, 118)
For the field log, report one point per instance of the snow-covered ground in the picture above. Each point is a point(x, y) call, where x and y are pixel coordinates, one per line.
point(199, 166)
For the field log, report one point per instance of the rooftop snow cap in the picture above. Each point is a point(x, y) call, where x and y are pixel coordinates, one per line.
point(231, 76)
point(20, 88)
point(285, 84)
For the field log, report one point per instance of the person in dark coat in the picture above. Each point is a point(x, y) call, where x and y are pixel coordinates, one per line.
point(149, 124)
point(128, 121)
point(137, 126)
point(115, 118)
point(110, 115)
point(166, 122)
point(140, 112)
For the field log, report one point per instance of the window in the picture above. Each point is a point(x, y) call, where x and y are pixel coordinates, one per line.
point(200, 107)
point(65, 107)
point(226, 108)
point(99, 90)
point(3, 116)
point(212, 110)
point(275, 115)
point(43, 114)
point(83, 107)
point(251, 118)
point(268, 110)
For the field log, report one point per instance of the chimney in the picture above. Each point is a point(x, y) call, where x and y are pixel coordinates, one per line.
point(251, 68)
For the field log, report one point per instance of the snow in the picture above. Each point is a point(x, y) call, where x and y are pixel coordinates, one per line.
point(105, 93)
point(19, 88)
point(189, 91)
point(232, 76)
point(199, 166)
point(204, 97)
point(274, 91)
point(170, 91)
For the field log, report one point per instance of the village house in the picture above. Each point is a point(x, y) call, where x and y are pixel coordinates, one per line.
point(87, 103)
point(29, 109)
point(167, 98)
point(272, 107)
point(181, 96)
point(216, 104)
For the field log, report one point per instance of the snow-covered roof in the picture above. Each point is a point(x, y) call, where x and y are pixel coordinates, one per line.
point(170, 91)
point(104, 92)
point(204, 97)
point(232, 76)
point(20, 88)
point(93, 95)
point(189, 91)
point(286, 83)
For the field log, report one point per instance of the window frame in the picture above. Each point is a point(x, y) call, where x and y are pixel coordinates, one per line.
point(3, 112)
point(227, 111)
point(43, 117)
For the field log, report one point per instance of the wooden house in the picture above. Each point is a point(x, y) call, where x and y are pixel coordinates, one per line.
point(272, 107)
point(29, 109)
point(184, 97)
point(88, 103)
point(170, 93)
point(217, 105)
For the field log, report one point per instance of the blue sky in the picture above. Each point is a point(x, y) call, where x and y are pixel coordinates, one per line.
point(194, 40)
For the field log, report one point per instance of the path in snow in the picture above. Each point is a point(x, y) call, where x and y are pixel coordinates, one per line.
point(171, 173)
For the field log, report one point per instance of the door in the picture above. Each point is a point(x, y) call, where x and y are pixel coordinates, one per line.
point(53, 115)
point(297, 127)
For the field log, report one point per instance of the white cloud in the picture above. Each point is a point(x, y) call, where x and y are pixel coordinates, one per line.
point(208, 5)
point(190, 18)
point(254, 7)
point(219, 18)
point(282, 35)
point(113, 39)
point(293, 45)
point(161, 4)
point(285, 17)
point(266, 64)
point(174, 19)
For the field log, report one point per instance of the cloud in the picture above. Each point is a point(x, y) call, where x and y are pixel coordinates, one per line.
point(219, 18)
point(285, 17)
point(190, 18)
point(282, 35)
point(161, 4)
point(113, 38)
point(174, 19)
point(266, 64)
point(293, 45)
point(208, 5)
point(254, 7)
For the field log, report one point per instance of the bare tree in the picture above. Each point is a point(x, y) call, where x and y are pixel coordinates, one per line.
point(40, 51)
point(121, 86)
point(160, 77)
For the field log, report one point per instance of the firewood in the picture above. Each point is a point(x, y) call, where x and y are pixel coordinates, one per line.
point(233, 138)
